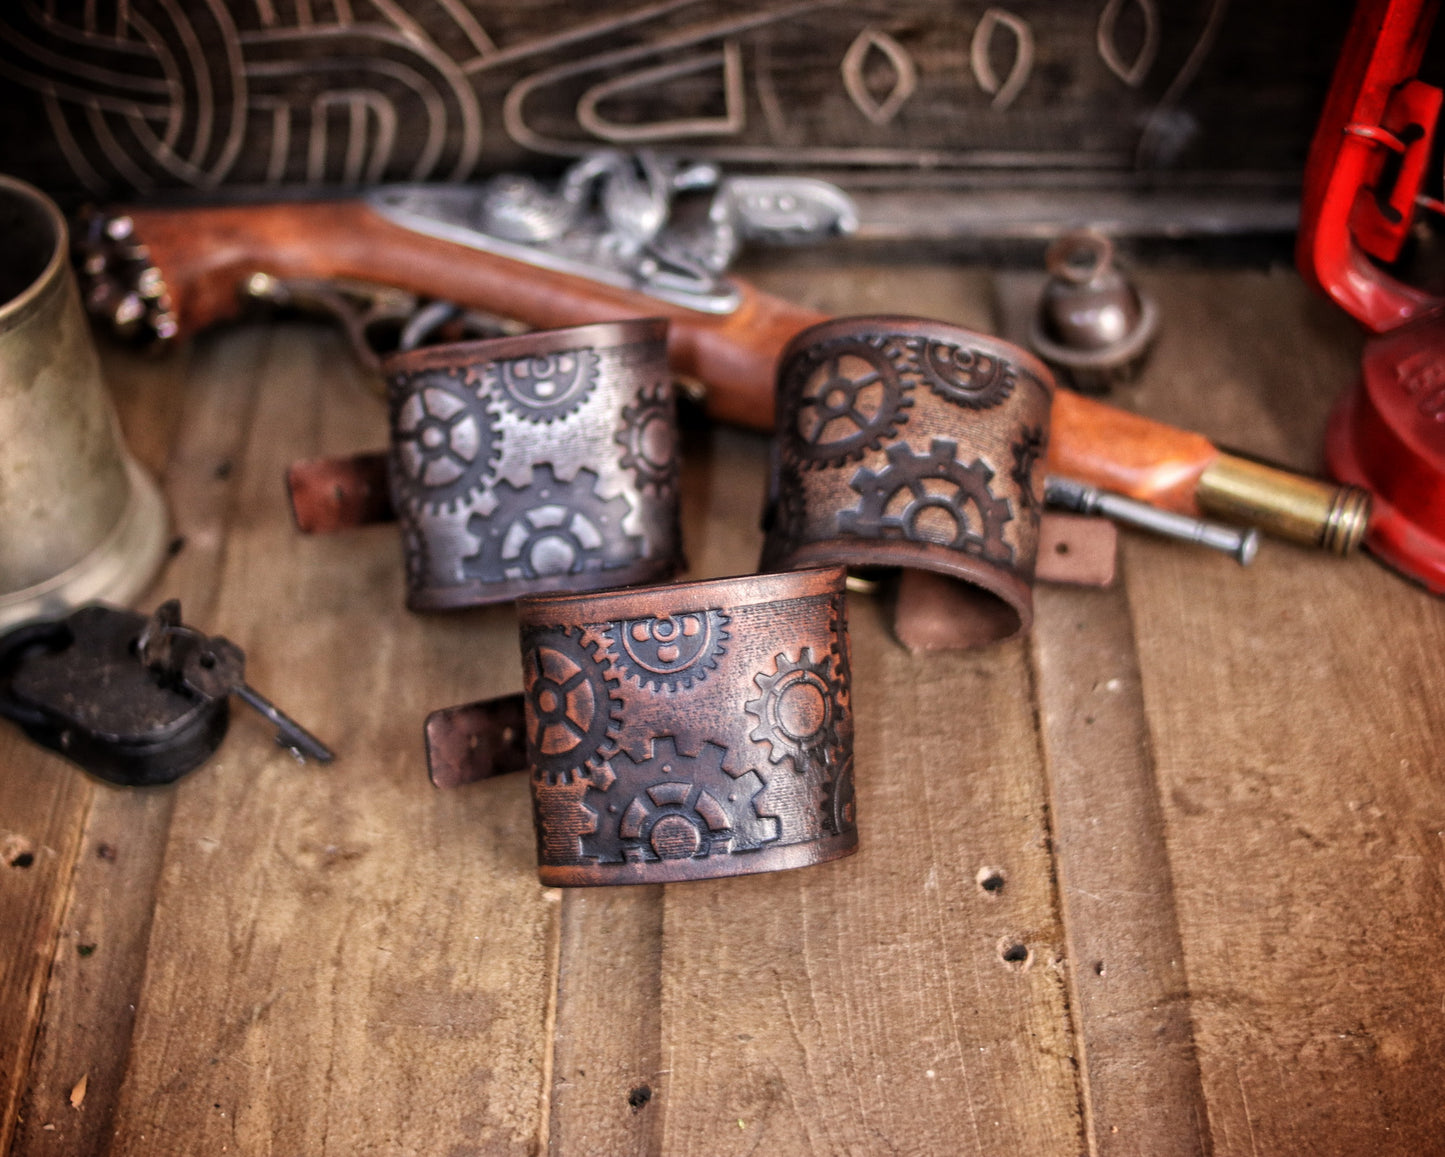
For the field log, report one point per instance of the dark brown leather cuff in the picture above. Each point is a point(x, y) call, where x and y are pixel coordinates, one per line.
point(914, 444)
point(541, 462)
point(689, 731)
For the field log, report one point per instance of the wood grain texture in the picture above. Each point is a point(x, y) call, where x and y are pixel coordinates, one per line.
point(1297, 721)
point(343, 961)
point(55, 904)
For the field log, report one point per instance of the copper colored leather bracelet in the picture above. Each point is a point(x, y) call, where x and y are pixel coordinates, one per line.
point(675, 732)
point(918, 445)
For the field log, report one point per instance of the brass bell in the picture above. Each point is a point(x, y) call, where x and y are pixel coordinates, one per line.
point(1092, 325)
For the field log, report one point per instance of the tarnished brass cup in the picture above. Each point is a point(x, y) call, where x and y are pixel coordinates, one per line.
point(79, 520)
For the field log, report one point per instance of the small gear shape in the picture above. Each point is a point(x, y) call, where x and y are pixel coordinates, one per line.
point(648, 437)
point(572, 714)
point(543, 388)
point(797, 711)
point(550, 528)
point(679, 806)
point(968, 377)
point(444, 443)
point(670, 651)
point(927, 498)
point(1028, 451)
point(853, 396)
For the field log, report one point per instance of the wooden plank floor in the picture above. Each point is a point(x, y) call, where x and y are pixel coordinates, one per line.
point(1214, 797)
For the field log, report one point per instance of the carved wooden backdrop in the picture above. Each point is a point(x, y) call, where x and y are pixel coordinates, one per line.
point(111, 97)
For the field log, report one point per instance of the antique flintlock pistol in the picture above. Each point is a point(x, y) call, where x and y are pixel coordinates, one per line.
point(612, 240)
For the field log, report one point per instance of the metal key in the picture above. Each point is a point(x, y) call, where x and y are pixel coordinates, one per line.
point(213, 667)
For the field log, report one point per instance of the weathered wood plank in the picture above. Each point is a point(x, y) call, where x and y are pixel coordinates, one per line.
point(45, 805)
point(1296, 723)
point(100, 958)
point(865, 1006)
point(1131, 998)
point(341, 959)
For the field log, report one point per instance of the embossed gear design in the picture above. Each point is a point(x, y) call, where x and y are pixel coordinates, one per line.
point(908, 474)
point(670, 652)
point(968, 377)
point(1028, 451)
point(648, 441)
point(573, 715)
point(830, 396)
point(550, 528)
point(681, 807)
point(543, 388)
point(797, 710)
point(444, 443)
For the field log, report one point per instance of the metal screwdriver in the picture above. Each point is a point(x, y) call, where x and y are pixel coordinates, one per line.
point(1082, 498)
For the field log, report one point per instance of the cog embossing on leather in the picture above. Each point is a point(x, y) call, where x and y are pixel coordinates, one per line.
point(931, 497)
point(534, 463)
point(574, 715)
point(969, 377)
point(551, 528)
point(648, 438)
point(674, 805)
point(444, 443)
point(665, 726)
point(544, 387)
point(796, 710)
point(908, 444)
point(667, 652)
point(853, 395)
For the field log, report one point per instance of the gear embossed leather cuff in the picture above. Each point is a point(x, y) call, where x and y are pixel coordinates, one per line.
point(689, 731)
point(541, 462)
point(913, 444)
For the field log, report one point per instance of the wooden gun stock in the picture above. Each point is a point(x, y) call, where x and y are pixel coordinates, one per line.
point(205, 254)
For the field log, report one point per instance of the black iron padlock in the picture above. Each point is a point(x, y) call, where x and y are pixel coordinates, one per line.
point(135, 700)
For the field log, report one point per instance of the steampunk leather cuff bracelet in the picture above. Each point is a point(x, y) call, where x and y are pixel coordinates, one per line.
point(676, 732)
point(541, 462)
point(913, 444)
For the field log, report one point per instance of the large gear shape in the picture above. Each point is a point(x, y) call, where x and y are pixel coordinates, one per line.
point(968, 377)
point(854, 396)
point(648, 437)
point(895, 501)
point(669, 652)
point(572, 714)
point(550, 528)
point(543, 388)
point(797, 711)
point(678, 806)
point(444, 444)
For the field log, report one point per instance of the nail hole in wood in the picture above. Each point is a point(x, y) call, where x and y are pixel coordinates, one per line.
point(991, 880)
point(639, 1097)
point(1015, 953)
